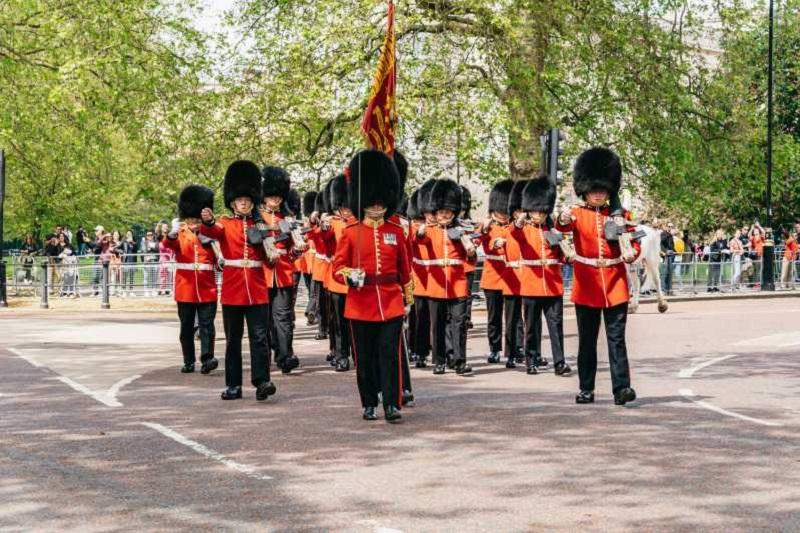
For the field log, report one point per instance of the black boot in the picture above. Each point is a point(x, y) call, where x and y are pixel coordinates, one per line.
point(421, 362)
point(463, 368)
point(531, 369)
point(493, 358)
point(370, 413)
point(438, 369)
point(511, 363)
point(320, 336)
point(187, 369)
point(209, 365)
point(289, 364)
point(541, 361)
point(623, 396)
point(563, 370)
point(412, 357)
point(585, 396)
point(265, 390)
point(330, 357)
point(232, 393)
point(343, 365)
point(391, 413)
point(408, 398)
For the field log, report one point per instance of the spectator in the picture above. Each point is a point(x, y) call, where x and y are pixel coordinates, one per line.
point(737, 252)
point(149, 251)
point(717, 250)
point(82, 240)
point(165, 257)
point(27, 255)
point(668, 253)
point(115, 263)
point(757, 239)
point(127, 249)
point(69, 272)
point(68, 235)
point(102, 256)
point(789, 255)
point(52, 252)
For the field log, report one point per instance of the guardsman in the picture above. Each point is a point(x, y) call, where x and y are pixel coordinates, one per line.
point(512, 284)
point(493, 237)
point(333, 228)
point(244, 288)
point(322, 261)
point(600, 283)
point(306, 264)
point(465, 216)
point(423, 214)
point(279, 270)
point(370, 259)
point(542, 287)
point(195, 281)
point(450, 249)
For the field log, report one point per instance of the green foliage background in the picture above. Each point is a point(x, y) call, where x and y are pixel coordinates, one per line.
point(108, 107)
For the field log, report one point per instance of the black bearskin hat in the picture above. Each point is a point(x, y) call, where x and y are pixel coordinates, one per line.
point(424, 198)
point(292, 203)
point(242, 179)
point(402, 207)
point(539, 194)
point(498, 198)
point(515, 196)
point(446, 194)
point(597, 168)
point(276, 182)
point(466, 202)
point(322, 203)
point(193, 199)
point(309, 203)
point(412, 211)
point(373, 180)
point(337, 195)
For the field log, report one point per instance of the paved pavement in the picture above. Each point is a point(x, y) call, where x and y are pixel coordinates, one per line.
point(100, 432)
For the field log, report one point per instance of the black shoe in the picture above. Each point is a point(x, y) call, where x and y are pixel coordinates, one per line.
point(541, 362)
point(585, 396)
point(463, 368)
point(232, 393)
point(470, 325)
point(532, 370)
point(438, 370)
point(320, 336)
point(511, 363)
point(563, 370)
point(450, 363)
point(370, 413)
point(623, 396)
point(330, 357)
point(187, 369)
point(311, 320)
point(265, 390)
point(408, 398)
point(289, 364)
point(392, 413)
point(520, 358)
point(343, 365)
point(493, 358)
point(421, 363)
point(412, 357)
point(209, 365)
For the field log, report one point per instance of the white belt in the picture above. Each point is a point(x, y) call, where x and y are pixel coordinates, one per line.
point(438, 262)
point(598, 263)
point(242, 263)
point(494, 257)
point(323, 257)
point(194, 266)
point(538, 262)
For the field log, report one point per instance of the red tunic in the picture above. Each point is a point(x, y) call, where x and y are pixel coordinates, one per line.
point(379, 250)
point(243, 281)
point(511, 282)
point(446, 275)
point(322, 260)
point(332, 238)
point(420, 254)
point(195, 280)
point(539, 266)
point(280, 274)
point(597, 286)
point(494, 260)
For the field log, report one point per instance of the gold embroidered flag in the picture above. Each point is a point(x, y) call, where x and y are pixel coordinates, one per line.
point(380, 119)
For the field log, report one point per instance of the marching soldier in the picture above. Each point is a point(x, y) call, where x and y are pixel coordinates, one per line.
point(493, 237)
point(279, 271)
point(421, 252)
point(600, 286)
point(244, 288)
point(371, 259)
point(306, 266)
point(195, 283)
point(319, 272)
point(465, 216)
point(512, 284)
point(450, 249)
point(333, 229)
point(541, 284)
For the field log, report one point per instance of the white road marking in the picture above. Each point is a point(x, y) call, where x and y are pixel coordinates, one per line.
point(100, 397)
point(687, 393)
point(23, 356)
point(207, 452)
point(689, 372)
point(115, 388)
point(778, 340)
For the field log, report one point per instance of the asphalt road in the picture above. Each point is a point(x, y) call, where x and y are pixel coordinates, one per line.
point(99, 432)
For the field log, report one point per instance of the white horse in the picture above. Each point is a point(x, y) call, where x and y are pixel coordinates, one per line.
point(649, 259)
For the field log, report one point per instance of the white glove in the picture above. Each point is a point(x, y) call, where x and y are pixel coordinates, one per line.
point(176, 227)
point(408, 310)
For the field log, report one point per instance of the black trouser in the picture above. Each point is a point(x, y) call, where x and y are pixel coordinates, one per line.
point(470, 282)
point(205, 313)
point(421, 339)
point(309, 304)
point(494, 319)
point(512, 308)
point(615, 319)
point(404, 360)
point(378, 361)
point(320, 306)
point(553, 309)
point(666, 284)
point(128, 272)
point(340, 327)
point(281, 322)
point(233, 317)
point(449, 314)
